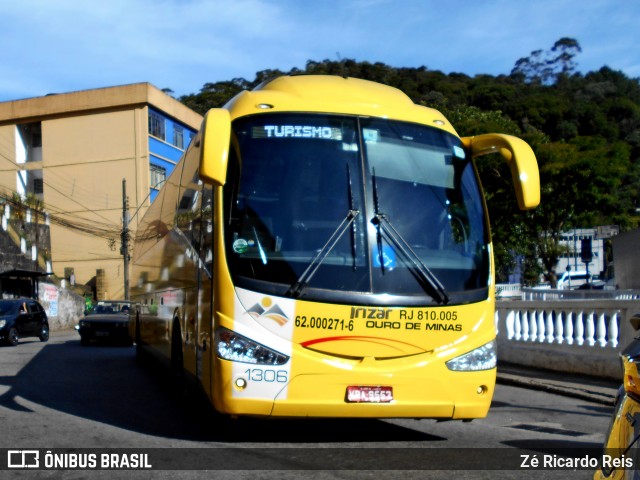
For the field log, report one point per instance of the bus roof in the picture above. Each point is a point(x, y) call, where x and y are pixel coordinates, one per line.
point(334, 94)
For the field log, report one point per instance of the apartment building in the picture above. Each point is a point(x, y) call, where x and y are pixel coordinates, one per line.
point(66, 156)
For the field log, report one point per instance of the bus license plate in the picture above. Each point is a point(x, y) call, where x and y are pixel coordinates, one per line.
point(358, 394)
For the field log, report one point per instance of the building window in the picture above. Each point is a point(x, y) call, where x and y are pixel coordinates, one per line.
point(156, 125)
point(36, 135)
point(158, 175)
point(29, 142)
point(38, 186)
point(185, 202)
point(178, 136)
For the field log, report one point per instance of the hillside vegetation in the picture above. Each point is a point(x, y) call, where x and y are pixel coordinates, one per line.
point(583, 127)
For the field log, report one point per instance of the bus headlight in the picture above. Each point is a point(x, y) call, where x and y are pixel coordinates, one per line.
point(2, 323)
point(237, 348)
point(482, 358)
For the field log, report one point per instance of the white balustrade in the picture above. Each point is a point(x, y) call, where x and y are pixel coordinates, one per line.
point(549, 316)
point(525, 325)
point(541, 326)
point(579, 331)
point(511, 320)
point(568, 327)
point(580, 335)
point(613, 329)
point(559, 328)
point(562, 322)
point(590, 329)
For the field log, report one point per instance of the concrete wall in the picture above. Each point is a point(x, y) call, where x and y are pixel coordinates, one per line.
point(87, 173)
point(626, 259)
point(64, 307)
point(581, 336)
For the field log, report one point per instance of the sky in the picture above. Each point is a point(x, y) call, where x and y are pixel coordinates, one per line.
point(59, 46)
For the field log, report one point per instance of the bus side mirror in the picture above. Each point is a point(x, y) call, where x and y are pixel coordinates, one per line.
point(215, 137)
point(521, 160)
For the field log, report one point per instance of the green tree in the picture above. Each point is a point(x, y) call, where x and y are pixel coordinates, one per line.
point(584, 129)
point(546, 66)
point(509, 225)
point(580, 187)
point(215, 95)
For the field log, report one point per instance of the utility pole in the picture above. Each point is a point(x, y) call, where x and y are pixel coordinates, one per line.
point(124, 249)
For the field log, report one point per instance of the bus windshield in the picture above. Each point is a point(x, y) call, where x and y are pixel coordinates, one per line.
point(324, 206)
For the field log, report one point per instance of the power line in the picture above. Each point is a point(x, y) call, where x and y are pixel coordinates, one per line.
point(48, 184)
point(107, 231)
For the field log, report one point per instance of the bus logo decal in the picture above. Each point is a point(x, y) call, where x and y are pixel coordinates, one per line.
point(264, 309)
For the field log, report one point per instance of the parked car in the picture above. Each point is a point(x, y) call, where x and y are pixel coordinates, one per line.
point(107, 321)
point(622, 445)
point(22, 317)
point(573, 280)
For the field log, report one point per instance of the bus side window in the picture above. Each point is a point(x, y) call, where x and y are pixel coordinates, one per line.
point(194, 216)
point(206, 231)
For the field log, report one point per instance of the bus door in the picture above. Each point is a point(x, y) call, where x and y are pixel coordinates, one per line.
point(194, 225)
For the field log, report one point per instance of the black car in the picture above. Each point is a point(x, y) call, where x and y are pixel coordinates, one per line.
point(22, 317)
point(108, 320)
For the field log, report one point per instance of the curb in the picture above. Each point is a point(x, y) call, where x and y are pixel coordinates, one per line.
point(582, 392)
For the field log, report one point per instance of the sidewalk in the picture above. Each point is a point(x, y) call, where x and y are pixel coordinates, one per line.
point(592, 389)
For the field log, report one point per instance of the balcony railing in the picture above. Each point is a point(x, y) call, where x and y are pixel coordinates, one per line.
point(574, 336)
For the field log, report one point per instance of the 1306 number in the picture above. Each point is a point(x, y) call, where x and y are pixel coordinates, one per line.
point(269, 376)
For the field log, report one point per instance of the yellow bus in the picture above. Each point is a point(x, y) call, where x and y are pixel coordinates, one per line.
point(323, 250)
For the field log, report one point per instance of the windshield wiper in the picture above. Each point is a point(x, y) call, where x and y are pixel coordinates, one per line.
point(354, 246)
point(382, 222)
point(296, 289)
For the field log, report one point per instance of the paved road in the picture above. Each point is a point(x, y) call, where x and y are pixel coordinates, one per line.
point(63, 395)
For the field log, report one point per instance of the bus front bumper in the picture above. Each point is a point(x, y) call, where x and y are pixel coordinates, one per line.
point(449, 395)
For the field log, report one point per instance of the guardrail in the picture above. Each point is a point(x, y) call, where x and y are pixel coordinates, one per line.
point(508, 290)
point(515, 290)
point(548, 294)
point(574, 336)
